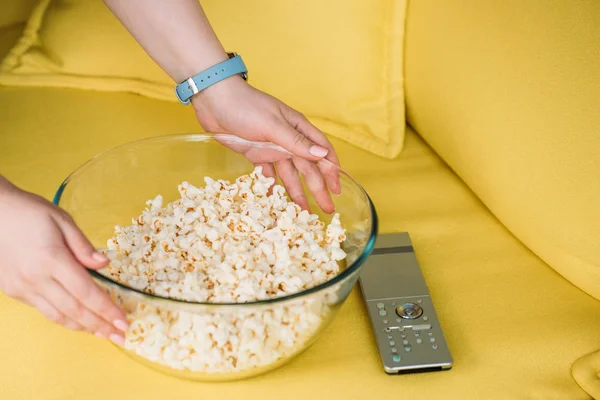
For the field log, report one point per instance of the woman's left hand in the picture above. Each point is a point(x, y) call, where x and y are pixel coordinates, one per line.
point(234, 107)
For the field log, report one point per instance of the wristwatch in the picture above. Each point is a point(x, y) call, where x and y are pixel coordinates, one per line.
point(223, 70)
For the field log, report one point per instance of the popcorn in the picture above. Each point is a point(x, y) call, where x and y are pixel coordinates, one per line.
point(225, 243)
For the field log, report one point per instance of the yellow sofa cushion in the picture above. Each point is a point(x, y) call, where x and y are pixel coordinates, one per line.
point(14, 12)
point(339, 62)
point(9, 36)
point(514, 326)
point(508, 93)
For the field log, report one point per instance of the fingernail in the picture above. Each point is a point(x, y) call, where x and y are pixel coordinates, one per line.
point(99, 257)
point(117, 339)
point(121, 325)
point(98, 334)
point(318, 151)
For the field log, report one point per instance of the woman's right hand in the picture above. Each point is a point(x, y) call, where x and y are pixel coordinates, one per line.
point(234, 107)
point(43, 256)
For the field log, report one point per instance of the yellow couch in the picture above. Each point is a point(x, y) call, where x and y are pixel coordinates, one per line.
point(515, 326)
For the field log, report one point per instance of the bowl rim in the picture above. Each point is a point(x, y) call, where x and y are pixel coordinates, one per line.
point(206, 137)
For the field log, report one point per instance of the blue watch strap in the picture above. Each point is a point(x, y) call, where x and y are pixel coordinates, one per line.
point(223, 70)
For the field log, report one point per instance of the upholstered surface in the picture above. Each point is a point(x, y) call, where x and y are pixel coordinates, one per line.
point(15, 11)
point(9, 34)
point(514, 326)
point(338, 62)
point(507, 92)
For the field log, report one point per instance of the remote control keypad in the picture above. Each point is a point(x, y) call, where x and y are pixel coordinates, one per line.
point(404, 343)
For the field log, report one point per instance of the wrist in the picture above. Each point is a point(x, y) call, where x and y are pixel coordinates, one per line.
point(221, 90)
point(210, 77)
point(190, 66)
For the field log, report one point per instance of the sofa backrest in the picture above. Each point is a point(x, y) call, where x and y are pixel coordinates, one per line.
point(507, 92)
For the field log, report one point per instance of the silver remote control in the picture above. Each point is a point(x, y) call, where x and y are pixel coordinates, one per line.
point(404, 320)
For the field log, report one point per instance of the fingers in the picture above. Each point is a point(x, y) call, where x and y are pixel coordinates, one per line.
point(284, 135)
point(79, 245)
point(50, 312)
point(291, 180)
point(331, 173)
point(80, 285)
point(315, 183)
point(299, 122)
point(73, 309)
point(303, 125)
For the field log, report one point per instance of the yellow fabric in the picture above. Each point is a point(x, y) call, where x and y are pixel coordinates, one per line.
point(586, 372)
point(339, 62)
point(8, 37)
point(508, 93)
point(15, 11)
point(514, 326)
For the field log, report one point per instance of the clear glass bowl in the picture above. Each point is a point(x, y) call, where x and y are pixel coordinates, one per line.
point(246, 339)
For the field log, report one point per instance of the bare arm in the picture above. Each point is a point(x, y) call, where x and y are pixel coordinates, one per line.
point(178, 36)
point(175, 33)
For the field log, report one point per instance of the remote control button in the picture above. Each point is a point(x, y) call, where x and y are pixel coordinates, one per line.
point(423, 327)
point(407, 348)
point(394, 350)
point(385, 321)
point(405, 341)
point(396, 358)
point(409, 311)
point(382, 313)
point(419, 341)
point(380, 305)
point(432, 340)
point(435, 347)
point(426, 318)
point(392, 343)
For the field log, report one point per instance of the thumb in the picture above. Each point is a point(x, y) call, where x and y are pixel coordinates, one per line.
point(294, 141)
point(79, 245)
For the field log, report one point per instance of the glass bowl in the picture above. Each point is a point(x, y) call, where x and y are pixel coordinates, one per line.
point(209, 341)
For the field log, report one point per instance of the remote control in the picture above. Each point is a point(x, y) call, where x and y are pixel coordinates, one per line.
point(402, 315)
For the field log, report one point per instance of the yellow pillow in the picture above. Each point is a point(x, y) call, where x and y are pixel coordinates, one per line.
point(15, 11)
point(340, 62)
point(508, 93)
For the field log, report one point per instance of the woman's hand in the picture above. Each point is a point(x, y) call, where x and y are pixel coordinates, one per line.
point(234, 107)
point(44, 256)
point(178, 36)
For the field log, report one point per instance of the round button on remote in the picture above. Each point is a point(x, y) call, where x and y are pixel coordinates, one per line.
point(409, 311)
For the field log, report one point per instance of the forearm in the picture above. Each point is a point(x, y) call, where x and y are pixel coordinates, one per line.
point(5, 185)
point(175, 33)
